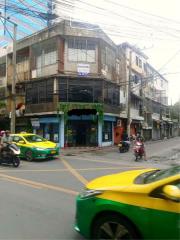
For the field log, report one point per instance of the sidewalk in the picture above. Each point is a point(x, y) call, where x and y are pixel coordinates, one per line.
point(77, 150)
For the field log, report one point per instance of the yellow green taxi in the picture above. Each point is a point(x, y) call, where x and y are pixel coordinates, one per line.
point(33, 146)
point(137, 204)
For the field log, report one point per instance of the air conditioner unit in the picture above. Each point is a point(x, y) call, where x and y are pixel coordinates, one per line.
point(34, 73)
point(105, 67)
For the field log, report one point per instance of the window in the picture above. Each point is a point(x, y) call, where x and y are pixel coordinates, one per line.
point(117, 67)
point(111, 94)
point(80, 90)
point(3, 70)
point(108, 57)
point(107, 131)
point(39, 92)
point(137, 61)
point(45, 53)
point(80, 50)
point(42, 92)
point(71, 90)
point(50, 58)
point(140, 63)
point(145, 67)
point(16, 139)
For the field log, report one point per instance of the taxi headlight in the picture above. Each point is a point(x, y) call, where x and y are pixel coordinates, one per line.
point(87, 193)
point(40, 149)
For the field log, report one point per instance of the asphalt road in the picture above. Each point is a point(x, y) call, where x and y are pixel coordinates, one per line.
point(38, 198)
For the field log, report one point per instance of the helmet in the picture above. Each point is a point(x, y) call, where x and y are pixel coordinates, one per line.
point(2, 133)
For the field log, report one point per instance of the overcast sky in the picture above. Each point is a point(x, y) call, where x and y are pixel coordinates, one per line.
point(127, 20)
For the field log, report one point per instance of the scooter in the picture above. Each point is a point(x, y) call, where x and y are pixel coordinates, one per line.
point(10, 155)
point(138, 150)
point(124, 146)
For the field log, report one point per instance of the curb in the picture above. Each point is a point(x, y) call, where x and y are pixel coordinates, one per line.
point(76, 150)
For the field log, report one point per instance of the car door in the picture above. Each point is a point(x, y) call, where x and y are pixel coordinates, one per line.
point(164, 215)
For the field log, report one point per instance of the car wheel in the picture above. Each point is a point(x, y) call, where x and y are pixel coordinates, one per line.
point(113, 226)
point(29, 156)
point(120, 150)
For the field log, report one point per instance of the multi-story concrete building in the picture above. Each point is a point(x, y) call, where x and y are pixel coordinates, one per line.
point(3, 87)
point(132, 73)
point(73, 81)
point(156, 108)
point(68, 81)
point(148, 89)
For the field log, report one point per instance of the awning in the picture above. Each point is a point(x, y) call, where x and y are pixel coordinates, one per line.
point(138, 118)
point(155, 117)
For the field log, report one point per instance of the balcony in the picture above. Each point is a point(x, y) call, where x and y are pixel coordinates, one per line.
point(41, 108)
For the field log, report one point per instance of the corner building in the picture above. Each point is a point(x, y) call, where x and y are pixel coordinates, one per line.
point(72, 95)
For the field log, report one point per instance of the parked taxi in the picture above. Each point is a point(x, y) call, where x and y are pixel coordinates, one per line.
point(33, 146)
point(137, 204)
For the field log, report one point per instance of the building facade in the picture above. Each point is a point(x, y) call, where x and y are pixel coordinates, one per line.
point(72, 88)
point(67, 80)
point(148, 100)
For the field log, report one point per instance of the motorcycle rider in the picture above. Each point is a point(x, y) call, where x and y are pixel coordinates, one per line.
point(125, 139)
point(140, 139)
point(1, 135)
point(5, 140)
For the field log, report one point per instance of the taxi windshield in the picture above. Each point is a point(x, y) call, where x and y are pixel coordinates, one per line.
point(34, 138)
point(156, 175)
point(161, 174)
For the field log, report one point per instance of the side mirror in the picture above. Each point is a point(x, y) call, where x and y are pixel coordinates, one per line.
point(171, 192)
point(22, 142)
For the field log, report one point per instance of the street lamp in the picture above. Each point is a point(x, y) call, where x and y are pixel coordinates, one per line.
point(13, 90)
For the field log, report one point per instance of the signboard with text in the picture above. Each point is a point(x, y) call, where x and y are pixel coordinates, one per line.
point(83, 69)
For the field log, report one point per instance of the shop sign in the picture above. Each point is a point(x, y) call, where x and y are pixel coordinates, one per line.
point(35, 122)
point(83, 69)
point(106, 136)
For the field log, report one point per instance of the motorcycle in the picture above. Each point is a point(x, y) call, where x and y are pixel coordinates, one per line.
point(10, 155)
point(124, 146)
point(139, 150)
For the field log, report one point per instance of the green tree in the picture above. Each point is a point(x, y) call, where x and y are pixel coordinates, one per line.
point(175, 110)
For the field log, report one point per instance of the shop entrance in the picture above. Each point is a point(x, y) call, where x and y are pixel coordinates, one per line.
point(81, 133)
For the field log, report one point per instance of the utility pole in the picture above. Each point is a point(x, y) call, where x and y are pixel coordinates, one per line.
point(49, 13)
point(179, 118)
point(129, 96)
point(4, 16)
point(13, 103)
point(13, 89)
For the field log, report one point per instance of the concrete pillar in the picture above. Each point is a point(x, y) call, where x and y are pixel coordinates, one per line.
point(61, 131)
point(99, 133)
point(112, 133)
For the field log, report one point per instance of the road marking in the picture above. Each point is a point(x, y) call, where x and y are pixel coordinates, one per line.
point(22, 183)
point(36, 170)
point(38, 184)
point(74, 172)
point(65, 170)
point(110, 162)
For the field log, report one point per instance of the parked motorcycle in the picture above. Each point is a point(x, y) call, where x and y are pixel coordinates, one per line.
point(124, 146)
point(10, 155)
point(138, 150)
